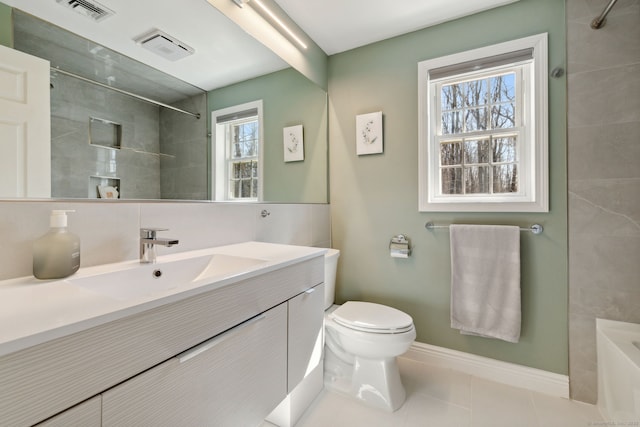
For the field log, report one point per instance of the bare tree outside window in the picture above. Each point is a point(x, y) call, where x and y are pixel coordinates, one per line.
point(243, 178)
point(482, 159)
point(483, 129)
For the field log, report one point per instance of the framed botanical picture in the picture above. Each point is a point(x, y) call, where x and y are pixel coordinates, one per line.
point(293, 143)
point(369, 133)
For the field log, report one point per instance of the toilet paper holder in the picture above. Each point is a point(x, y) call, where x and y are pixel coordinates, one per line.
point(400, 246)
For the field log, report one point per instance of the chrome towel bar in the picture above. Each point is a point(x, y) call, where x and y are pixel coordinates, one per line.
point(535, 228)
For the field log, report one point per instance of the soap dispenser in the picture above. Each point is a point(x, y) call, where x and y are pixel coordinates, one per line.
point(56, 254)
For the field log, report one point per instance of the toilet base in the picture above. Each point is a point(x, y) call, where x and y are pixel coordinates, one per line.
point(375, 383)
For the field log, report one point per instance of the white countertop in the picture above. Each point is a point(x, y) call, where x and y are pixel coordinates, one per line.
point(35, 311)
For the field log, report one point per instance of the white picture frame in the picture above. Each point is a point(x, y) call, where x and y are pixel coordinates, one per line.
point(369, 133)
point(293, 141)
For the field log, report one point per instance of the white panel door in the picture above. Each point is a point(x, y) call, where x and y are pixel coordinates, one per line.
point(25, 125)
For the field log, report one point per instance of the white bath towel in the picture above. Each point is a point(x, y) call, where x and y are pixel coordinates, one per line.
point(485, 280)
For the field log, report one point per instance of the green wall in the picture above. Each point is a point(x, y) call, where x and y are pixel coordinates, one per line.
point(375, 197)
point(6, 26)
point(288, 99)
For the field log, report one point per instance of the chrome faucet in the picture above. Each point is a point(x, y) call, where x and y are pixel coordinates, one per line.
point(148, 242)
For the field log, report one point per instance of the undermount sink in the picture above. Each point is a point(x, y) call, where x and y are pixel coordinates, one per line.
point(148, 279)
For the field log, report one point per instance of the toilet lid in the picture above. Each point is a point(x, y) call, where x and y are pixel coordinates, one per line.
point(371, 317)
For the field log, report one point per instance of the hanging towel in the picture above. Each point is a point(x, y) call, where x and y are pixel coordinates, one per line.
point(485, 280)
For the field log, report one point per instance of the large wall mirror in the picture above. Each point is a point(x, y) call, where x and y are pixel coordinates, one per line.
point(107, 135)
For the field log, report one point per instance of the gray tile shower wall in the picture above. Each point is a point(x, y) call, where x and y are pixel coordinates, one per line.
point(109, 231)
point(184, 163)
point(75, 159)
point(604, 179)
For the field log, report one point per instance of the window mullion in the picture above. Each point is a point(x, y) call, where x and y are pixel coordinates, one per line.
point(487, 105)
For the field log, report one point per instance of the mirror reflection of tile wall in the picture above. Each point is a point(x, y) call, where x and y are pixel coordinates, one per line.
point(75, 160)
point(159, 147)
point(185, 159)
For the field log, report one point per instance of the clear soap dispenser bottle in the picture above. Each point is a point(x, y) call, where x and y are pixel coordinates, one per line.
point(56, 254)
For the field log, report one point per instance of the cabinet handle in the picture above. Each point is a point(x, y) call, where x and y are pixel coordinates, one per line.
point(310, 291)
point(209, 344)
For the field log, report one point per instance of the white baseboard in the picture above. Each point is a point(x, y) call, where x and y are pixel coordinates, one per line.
point(494, 370)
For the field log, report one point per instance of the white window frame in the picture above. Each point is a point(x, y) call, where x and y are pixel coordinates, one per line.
point(219, 153)
point(533, 194)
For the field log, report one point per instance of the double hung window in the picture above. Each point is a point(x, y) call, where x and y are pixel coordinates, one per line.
point(238, 147)
point(242, 158)
point(483, 139)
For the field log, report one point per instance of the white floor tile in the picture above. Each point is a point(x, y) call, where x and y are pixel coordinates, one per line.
point(498, 405)
point(326, 410)
point(425, 410)
point(444, 398)
point(557, 412)
point(359, 415)
point(443, 384)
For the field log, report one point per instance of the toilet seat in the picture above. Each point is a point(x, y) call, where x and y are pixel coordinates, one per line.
point(372, 318)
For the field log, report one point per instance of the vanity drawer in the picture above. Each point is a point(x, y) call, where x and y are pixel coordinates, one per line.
point(46, 379)
point(234, 379)
point(86, 414)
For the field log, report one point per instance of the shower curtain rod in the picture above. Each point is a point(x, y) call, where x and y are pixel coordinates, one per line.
point(534, 228)
point(600, 20)
point(124, 92)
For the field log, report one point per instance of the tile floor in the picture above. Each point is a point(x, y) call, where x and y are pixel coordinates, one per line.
point(444, 398)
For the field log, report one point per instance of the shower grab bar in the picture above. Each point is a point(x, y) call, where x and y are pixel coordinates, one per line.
point(124, 92)
point(535, 228)
point(599, 22)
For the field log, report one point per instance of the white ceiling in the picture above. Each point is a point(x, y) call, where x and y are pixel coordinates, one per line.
point(340, 25)
point(224, 53)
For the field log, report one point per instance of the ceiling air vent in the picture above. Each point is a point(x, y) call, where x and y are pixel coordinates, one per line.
point(164, 45)
point(90, 9)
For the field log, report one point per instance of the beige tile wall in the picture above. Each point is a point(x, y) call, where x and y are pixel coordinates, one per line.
point(604, 178)
point(109, 230)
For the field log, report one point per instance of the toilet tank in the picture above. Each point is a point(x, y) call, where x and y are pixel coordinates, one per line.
point(330, 267)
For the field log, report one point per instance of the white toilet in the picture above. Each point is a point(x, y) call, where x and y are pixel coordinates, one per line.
point(362, 341)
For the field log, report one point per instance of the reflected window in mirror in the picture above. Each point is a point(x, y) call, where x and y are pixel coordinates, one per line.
point(238, 141)
point(242, 158)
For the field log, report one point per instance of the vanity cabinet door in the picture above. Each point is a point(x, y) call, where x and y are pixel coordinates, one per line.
point(85, 414)
point(306, 327)
point(234, 379)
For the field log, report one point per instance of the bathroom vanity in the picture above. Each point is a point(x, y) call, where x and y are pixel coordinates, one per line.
point(223, 348)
